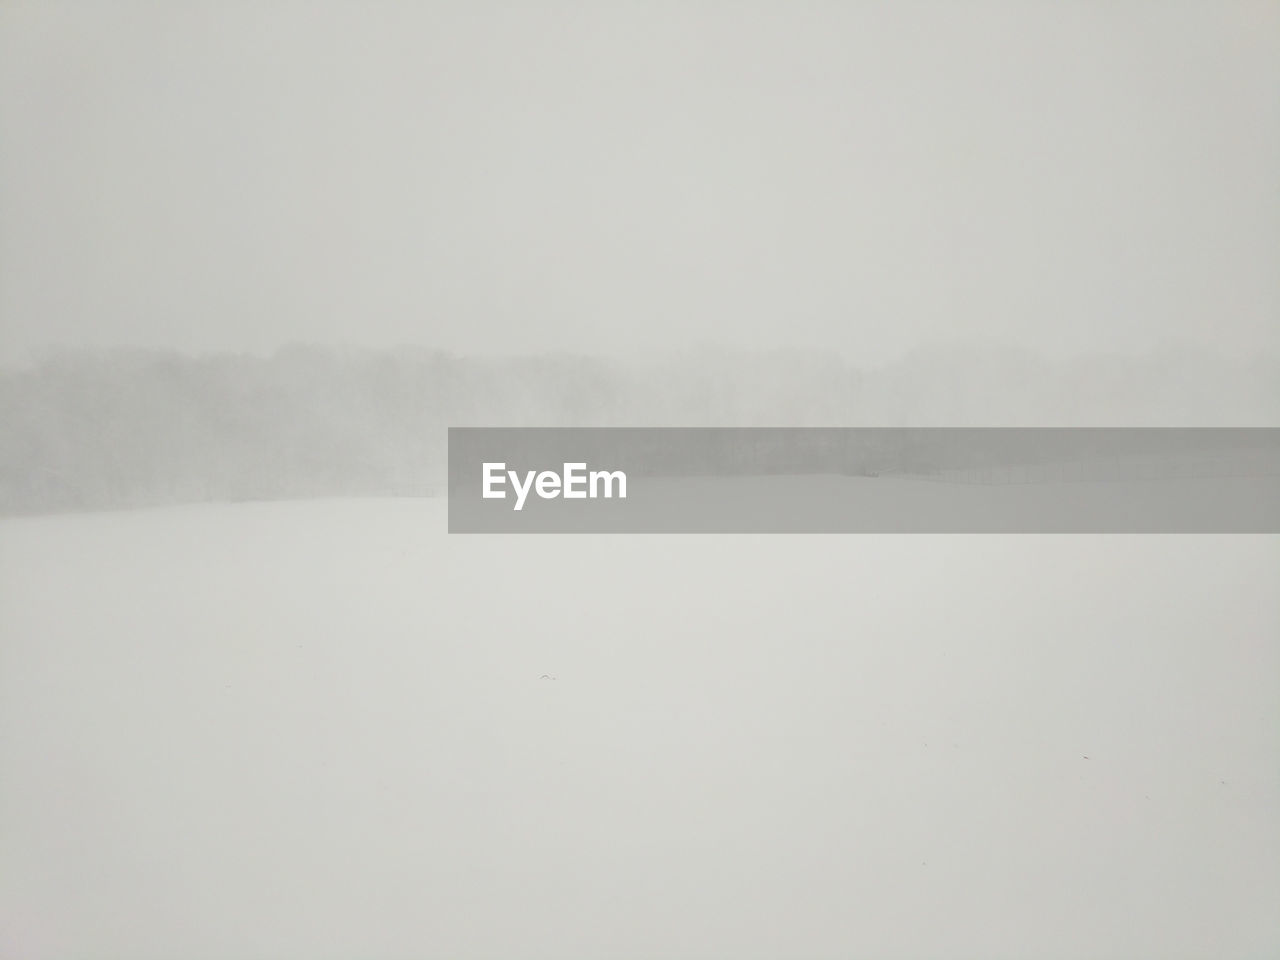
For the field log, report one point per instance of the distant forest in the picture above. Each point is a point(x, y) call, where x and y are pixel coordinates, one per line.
point(103, 429)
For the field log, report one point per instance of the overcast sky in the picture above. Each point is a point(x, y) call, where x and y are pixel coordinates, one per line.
point(864, 177)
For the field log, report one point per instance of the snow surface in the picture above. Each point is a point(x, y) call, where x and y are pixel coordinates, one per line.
point(320, 730)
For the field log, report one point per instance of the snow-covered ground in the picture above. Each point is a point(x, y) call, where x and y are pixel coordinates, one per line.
point(321, 730)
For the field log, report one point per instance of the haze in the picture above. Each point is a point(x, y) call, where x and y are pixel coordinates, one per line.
point(618, 178)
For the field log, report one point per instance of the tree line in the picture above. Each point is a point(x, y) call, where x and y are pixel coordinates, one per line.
point(98, 429)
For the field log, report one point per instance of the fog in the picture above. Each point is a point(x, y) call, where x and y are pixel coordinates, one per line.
point(255, 259)
point(478, 177)
point(101, 429)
